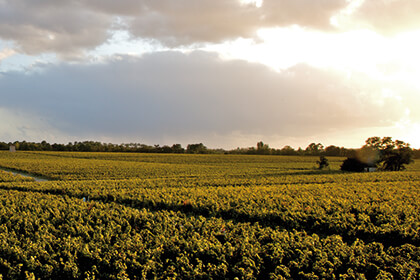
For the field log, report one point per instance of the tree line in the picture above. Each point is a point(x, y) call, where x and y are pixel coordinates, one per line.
point(313, 149)
point(94, 146)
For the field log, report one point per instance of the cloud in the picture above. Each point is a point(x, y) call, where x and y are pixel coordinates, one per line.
point(170, 95)
point(65, 27)
point(70, 27)
point(6, 53)
point(186, 22)
point(387, 17)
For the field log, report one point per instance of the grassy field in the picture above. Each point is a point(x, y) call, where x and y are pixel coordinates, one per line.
point(156, 216)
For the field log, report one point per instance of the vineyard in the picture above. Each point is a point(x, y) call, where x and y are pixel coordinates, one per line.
point(179, 216)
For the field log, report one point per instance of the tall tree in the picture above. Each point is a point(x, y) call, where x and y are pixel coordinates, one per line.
point(196, 148)
point(392, 155)
point(263, 149)
point(314, 149)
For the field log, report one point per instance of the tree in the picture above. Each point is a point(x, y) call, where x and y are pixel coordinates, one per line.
point(263, 149)
point(383, 153)
point(332, 151)
point(4, 146)
point(392, 155)
point(394, 160)
point(323, 162)
point(177, 148)
point(353, 165)
point(416, 153)
point(314, 149)
point(288, 150)
point(196, 148)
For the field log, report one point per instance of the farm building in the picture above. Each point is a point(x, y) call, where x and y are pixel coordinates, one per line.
point(12, 148)
point(370, 169)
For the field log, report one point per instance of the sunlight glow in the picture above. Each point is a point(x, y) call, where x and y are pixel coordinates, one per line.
point(364, 51)
point(342, 19)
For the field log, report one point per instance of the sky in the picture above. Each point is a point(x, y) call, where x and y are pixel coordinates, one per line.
point(226, 73)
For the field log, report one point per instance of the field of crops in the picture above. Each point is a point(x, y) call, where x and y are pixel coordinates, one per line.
point(155, 216)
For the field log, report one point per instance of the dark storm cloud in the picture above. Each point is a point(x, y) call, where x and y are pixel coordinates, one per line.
point(175, 95)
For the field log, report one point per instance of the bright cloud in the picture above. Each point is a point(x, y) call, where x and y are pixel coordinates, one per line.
point(388, 16)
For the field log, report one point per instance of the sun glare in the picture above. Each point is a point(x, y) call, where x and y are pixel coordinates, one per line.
point(363, 51)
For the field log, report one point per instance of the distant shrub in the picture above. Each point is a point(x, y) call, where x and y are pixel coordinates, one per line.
point(353, 165)
point(323, 162)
